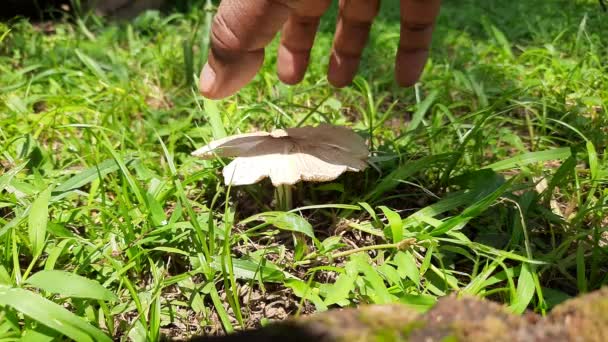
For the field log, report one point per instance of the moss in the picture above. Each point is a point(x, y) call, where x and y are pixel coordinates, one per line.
point(450, 338)
point(400, 332)
point(411, 327)
point(386, 316)
point(369, 323)
point(490, 329)
point(585, 317)
point(387, 335)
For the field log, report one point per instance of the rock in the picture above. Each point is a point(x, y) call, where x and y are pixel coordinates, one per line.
point(453, 318)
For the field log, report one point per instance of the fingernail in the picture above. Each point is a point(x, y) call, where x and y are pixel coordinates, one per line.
point(207, 78)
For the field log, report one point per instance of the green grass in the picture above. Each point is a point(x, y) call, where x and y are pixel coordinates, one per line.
point(493, 170)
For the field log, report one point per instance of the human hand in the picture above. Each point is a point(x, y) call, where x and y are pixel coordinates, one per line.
point(241, 30)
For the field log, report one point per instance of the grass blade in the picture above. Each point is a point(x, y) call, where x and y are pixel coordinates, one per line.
point(525, 290)
point(404, 171)
point(215, 119)
point(379, 293)
point(581, 277)
point(37, 221)
point(264, 271)
point(422, 109)
point(406, 266)
point(305, 291)
point(473, 210)
point(394, 222)
point(221, 311)
point(92, 65)
point(529, 158)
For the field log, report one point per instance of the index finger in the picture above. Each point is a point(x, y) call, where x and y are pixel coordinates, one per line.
point(417, 23)
point(239, 33)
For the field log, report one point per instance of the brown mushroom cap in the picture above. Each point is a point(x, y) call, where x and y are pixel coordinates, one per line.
point(316, 154)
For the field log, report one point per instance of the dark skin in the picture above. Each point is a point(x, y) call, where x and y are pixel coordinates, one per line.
point(242, 29)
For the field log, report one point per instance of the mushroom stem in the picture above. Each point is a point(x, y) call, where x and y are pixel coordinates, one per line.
point(284, 202)
point(283, 197)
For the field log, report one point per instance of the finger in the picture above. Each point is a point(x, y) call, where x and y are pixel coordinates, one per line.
point(297, 38)
point(239, 33)
point(352, 32)
point(417, 22)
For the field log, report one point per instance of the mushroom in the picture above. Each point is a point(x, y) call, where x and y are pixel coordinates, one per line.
point(288, 156)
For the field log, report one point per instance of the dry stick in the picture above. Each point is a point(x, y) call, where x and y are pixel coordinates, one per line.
point(401, 245)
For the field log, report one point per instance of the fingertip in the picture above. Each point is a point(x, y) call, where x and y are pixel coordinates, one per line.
point(405, 80)
point(342, 70)
point(291, 66)
point(222, 77)
point(338, 82)
point(409, 66)
point(207, 80)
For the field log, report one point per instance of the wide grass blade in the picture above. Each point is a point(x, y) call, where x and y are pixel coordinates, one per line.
point(406, 266)
point(37, 221)
point(50, 314)
point(219, 308)
point(89, 175)
point(394, 223)
point(525, 290)
point(6, 178)
point(305, 291)
point(92, 65)
point(377, 289)
point(285, 221)
point(264, 271)
point(70, 285)
point(530, 158)
point(215, 119)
